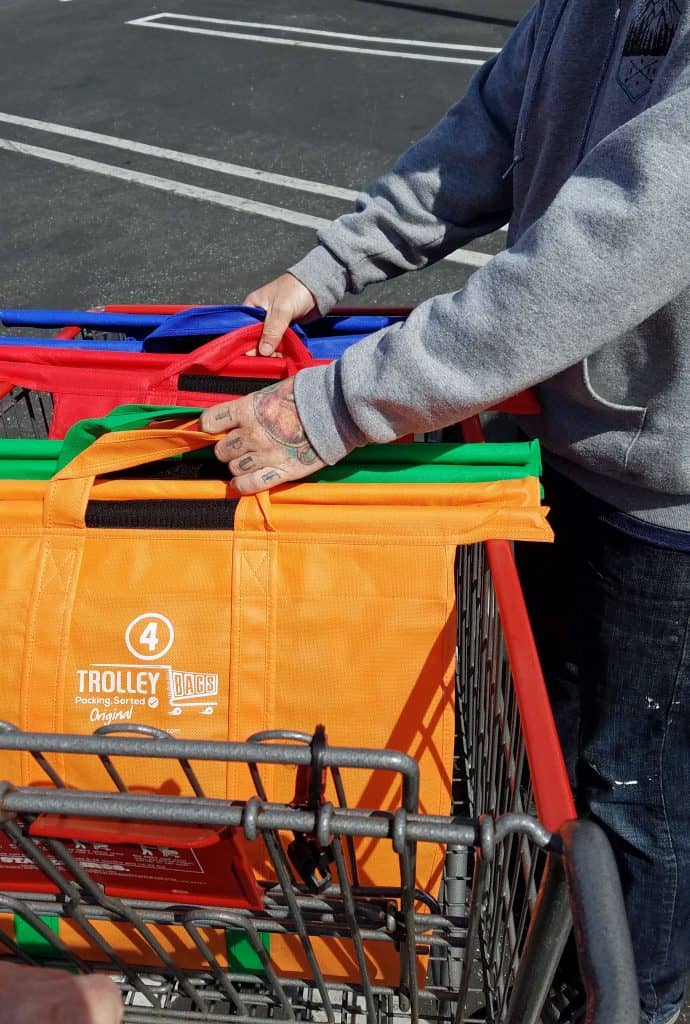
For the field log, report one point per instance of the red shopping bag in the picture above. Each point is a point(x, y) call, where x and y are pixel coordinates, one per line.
point(88, 385)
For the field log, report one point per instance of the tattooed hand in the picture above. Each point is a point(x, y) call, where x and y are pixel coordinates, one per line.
point(264, 441)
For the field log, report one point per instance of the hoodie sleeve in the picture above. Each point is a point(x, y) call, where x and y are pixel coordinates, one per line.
point(446, 190)
point(611, 250)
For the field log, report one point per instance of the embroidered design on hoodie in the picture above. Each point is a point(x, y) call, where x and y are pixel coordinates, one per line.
point(648, 41)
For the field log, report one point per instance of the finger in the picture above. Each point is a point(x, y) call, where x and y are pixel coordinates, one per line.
point(255, 352)
point(101, 1000)
point(231, 446)
point(277, 322)
point(255, 299)
point(246, 464)
point(219, 418)
point(260, 480)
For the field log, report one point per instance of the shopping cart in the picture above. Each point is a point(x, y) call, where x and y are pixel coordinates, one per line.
point(484, 948)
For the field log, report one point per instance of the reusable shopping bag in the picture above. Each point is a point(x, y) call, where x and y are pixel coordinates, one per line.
point(229, 588)
point(169, 603)
point(88, 384)
point(326, 338)
point(375, 463)
point(88, 378)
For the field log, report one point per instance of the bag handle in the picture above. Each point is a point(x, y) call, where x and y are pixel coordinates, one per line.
point(81, 435)
point(67, 494)
point(219, 354)
point(125, 449)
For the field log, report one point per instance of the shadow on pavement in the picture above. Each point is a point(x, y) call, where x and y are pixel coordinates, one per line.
point(443, 11)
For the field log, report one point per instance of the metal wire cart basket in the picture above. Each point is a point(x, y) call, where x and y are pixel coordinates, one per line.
point(81, 869)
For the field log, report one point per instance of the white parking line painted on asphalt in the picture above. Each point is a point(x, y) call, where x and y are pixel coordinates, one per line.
point(275, 40)
point(320, 32)
point(318, 188)
point(180, 188)
point(206, 163)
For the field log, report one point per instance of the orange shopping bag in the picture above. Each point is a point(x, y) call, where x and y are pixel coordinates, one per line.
point(172, 604)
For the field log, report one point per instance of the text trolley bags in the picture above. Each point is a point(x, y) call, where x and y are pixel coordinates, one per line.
point(168, 604)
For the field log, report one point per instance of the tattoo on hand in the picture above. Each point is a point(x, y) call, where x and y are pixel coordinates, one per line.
point(307, 456)
point(276, 412)
point(235, 443)
point(246, 463)
point(271, 475)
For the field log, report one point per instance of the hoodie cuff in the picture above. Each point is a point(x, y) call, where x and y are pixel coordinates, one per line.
point(323, 275)
point(325, 417)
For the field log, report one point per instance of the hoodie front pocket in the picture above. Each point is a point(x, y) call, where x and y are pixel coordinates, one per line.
point(584, 426)
point(625, 420)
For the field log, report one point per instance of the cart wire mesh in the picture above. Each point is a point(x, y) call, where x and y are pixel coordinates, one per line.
point(24, 413)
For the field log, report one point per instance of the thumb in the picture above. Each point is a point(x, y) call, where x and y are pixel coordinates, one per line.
point(100, 999)
point(276, 323)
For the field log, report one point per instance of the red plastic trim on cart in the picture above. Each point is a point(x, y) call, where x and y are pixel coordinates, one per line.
point(336, 311)
point(552, 792)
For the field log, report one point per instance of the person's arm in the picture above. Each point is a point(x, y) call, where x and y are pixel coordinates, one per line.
point(609, 252)
point(446, 190)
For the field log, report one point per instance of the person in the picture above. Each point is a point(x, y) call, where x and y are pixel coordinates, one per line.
point(31, 994)
point(578, 134)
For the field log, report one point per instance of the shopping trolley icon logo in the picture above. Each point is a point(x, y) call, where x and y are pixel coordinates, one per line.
point(192, 690)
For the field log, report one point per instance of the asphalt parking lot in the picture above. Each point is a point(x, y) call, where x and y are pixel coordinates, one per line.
point(111, 112)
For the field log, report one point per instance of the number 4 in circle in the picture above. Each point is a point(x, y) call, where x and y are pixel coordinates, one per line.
point(149, 636)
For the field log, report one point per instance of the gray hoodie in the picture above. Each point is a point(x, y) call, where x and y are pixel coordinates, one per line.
point(578, 133)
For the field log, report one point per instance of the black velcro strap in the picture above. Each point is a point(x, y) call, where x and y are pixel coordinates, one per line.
point(182, 514)
point(210, 385)
point(174, 469)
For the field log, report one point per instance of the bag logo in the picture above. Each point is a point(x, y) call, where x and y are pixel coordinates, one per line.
point(114, 691)
point(150, 636)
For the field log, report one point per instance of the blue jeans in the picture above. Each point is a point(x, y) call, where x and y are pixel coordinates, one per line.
point(611, 615)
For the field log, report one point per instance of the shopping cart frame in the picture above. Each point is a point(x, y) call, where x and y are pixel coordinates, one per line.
point(389, 915)
point(514, 844)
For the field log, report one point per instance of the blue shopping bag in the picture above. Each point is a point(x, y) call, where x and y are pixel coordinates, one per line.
point(326, 338)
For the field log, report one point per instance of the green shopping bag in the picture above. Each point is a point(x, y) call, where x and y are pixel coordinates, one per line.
point(417, 462)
